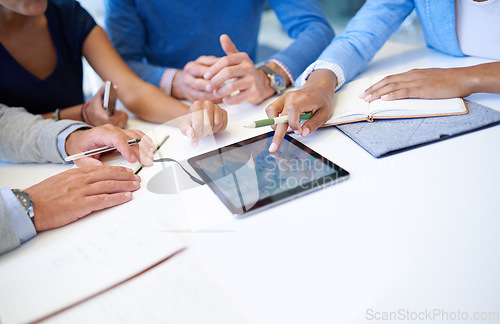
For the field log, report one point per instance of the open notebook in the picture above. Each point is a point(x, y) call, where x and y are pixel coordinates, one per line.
point(348, 107)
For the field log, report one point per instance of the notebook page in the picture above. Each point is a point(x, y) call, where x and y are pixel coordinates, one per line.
point(346, 103)
point(416, 107)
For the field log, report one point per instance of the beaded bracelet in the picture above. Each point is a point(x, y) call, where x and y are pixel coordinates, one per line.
point(84, 114)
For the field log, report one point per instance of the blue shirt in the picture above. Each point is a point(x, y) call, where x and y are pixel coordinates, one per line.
point(376, 21)
point(155, 34)
point(69, 25)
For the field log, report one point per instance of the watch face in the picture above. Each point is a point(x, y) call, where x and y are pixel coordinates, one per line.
point(279, 82)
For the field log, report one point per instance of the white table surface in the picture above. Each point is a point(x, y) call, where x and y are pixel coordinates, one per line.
point(415, 233)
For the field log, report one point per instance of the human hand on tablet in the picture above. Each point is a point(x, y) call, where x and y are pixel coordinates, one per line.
point(316, 96)
point(204, 118)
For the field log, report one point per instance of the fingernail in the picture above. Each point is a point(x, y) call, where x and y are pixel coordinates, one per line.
point(194, 145)
point(207, 75)
point(136, 183)
point(384, 97)
point(297, 132)
point(190, 133)
point(137, 177)
point(362, 95)
point(273, 147)
point(208, 88)
point(128, 195)
point(367, 98)
point(306, 131)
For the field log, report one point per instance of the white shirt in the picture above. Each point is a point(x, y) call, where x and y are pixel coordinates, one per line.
point(478, 27)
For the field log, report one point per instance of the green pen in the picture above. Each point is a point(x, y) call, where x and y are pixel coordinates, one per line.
point(277, 120)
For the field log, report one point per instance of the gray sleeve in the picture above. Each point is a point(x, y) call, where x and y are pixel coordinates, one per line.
point(25, 137)
point(8, 236)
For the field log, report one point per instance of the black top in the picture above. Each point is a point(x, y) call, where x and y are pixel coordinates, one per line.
point(69, 26)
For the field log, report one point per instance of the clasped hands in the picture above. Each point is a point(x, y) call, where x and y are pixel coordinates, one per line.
point(231, 79)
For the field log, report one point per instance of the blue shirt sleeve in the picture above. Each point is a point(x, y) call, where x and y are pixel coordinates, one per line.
point(365, 34)
point(19, 219)
point(61, 138)
point(129, 41)
point(305, 22)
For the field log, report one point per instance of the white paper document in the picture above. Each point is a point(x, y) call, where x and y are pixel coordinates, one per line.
point(61, 267)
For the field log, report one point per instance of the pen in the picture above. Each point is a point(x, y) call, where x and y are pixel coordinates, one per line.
point(277, 120)
point(97, 151)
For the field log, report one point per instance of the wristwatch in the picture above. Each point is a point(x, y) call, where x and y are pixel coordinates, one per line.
point(277, 80)
point(26, 202)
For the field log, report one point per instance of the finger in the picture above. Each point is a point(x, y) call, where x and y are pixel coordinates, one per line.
point(99, 202)
point(279, 134)
point(239, 98)
point(208, 118)
point(224, 62)
point(88, 162)
point(403, 88)
point(111, 187)
point(197, 122)
point(196, 69)
point(207, 59)
point(228, 88)
point(106, 172)
point(318, 119)
point(240, 67)
point(145, 154)
point(227, 45)
point(119, 119)
point(294, 112)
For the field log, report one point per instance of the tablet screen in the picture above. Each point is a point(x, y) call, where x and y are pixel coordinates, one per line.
point(247, 177)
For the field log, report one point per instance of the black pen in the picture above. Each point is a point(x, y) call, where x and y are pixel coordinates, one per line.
point(97, 151)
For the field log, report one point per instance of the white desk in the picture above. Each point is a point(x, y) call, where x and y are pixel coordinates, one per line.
point(416, 232)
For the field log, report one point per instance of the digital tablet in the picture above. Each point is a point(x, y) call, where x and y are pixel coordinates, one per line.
point(248, 178)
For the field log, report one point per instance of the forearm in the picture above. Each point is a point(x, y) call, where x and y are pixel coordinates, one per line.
point(365, 34)
point(73, 113)
point(29, 138)
point(151, 104)
point(483, 77)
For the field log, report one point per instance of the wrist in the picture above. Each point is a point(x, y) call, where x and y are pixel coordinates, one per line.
point(268, 90)
point(177, 81)
point(83, 113)
point(71, 146)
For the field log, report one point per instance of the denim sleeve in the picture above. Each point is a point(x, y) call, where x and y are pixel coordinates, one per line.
point(305, 22)
point(130, 43)
point(365, 34)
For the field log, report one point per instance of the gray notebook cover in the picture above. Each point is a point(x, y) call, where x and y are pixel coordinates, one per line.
point(385, 137)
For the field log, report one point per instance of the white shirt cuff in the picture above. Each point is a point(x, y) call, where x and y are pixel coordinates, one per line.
point(324, 65)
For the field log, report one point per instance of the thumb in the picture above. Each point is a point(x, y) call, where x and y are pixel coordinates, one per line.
point(227, 45)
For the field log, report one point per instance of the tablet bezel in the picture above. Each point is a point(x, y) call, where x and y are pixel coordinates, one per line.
point(261, 204)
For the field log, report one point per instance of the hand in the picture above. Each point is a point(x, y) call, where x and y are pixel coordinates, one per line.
point(421, 83)
point(251, 83)
point(109, 135)
point(205, 118)
point(315, 96)
point(98, 116)
point(73, 194)
point(189, 83)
